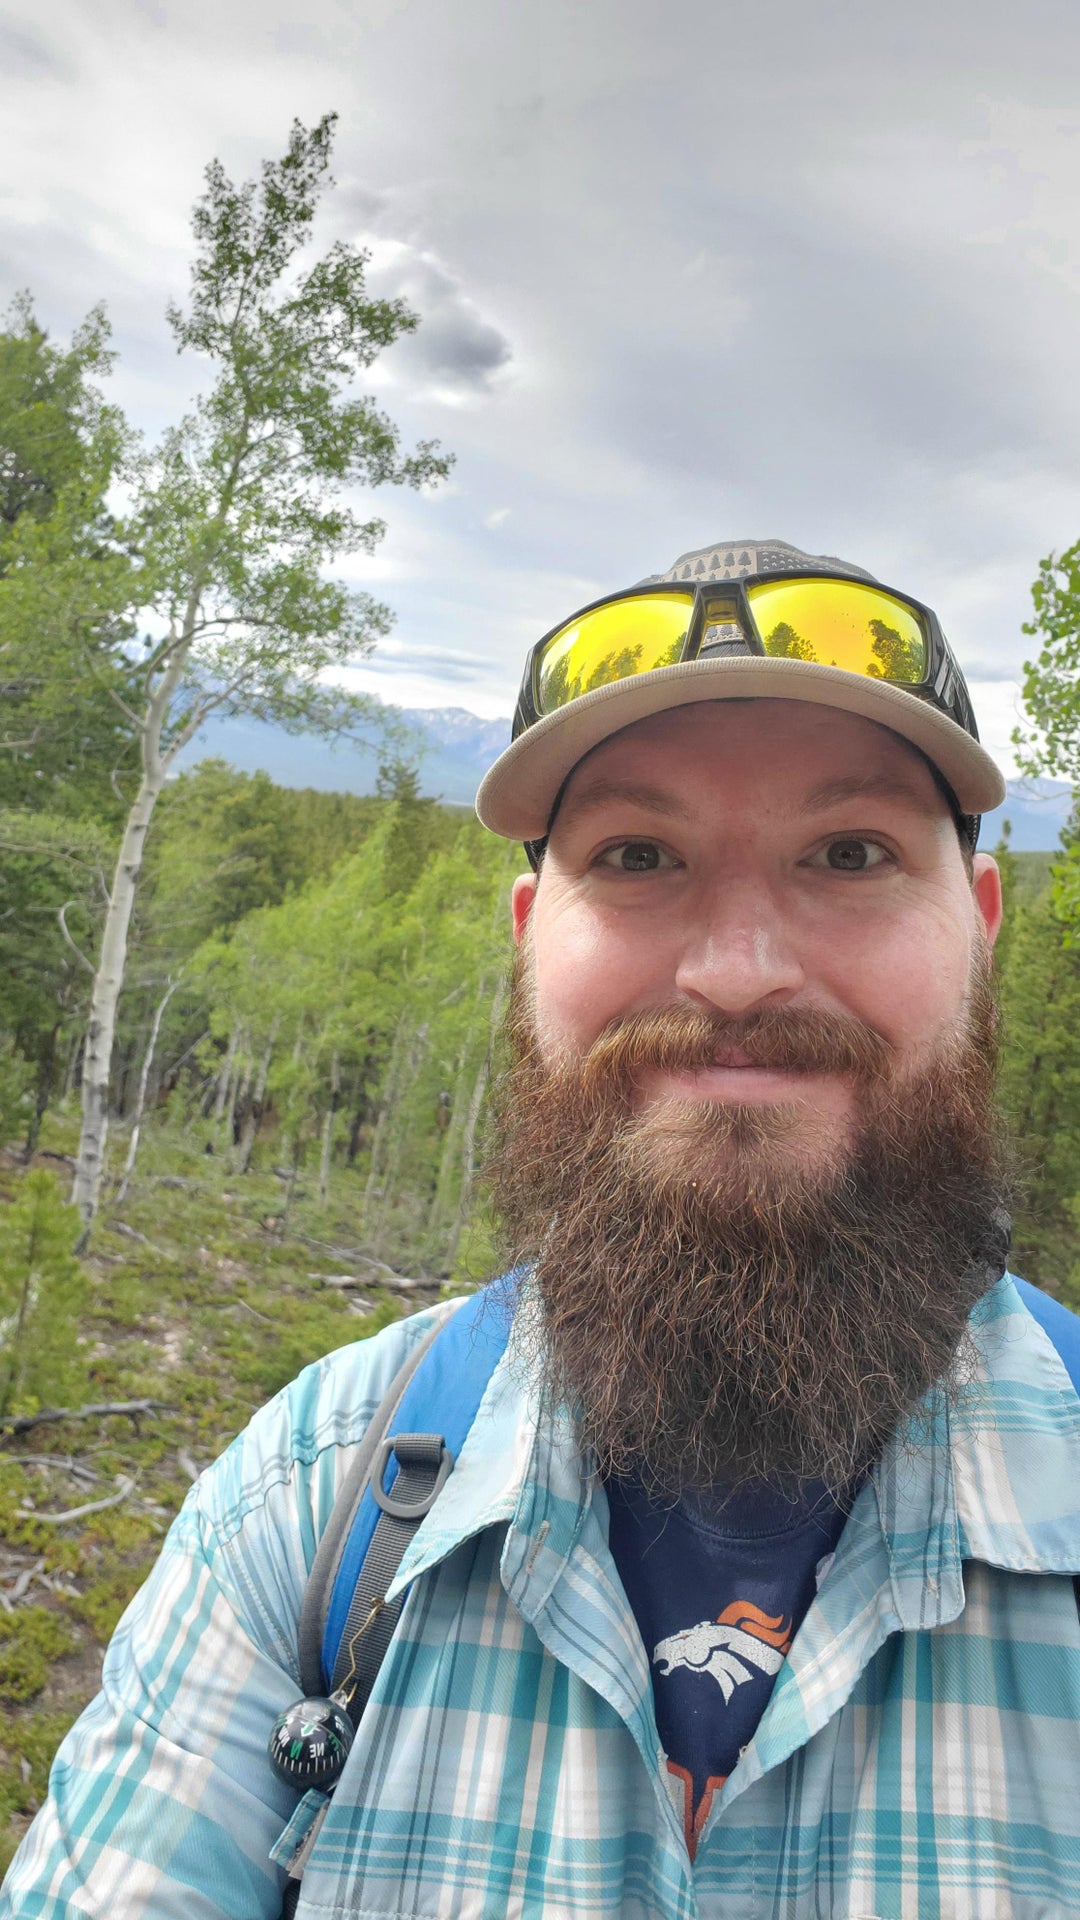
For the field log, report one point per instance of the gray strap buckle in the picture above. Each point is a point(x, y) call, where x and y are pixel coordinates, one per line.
point(416, 1452)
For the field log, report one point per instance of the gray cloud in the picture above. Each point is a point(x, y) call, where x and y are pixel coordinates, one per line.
point(670, 290)
point(990, 672)
point(441, 662)
point(455, 349)
point(362, 205)
point(25, 55)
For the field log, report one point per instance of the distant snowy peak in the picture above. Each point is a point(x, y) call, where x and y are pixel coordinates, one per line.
point(459, 747)
point(465, 734)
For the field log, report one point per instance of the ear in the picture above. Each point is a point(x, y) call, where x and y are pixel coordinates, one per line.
point(521, 899)
point(986, 886)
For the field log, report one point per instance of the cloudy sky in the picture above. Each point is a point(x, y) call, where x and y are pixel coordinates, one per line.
point(686, 271)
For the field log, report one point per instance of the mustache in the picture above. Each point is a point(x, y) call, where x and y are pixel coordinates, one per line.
point(690, 1039)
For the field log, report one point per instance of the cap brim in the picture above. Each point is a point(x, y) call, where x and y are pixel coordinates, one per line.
point(517, 794)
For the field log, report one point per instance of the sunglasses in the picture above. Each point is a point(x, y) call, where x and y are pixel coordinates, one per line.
point(827, 619)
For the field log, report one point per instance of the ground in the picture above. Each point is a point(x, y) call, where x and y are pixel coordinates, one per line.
point(205, 1299)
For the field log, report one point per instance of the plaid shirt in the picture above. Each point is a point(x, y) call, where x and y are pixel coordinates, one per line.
point(919, 1758)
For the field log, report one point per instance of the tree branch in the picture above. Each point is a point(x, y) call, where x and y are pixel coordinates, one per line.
point(129, 713)
point(61, 914)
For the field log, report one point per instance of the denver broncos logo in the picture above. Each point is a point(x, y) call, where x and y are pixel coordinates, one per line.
point(730, 1647)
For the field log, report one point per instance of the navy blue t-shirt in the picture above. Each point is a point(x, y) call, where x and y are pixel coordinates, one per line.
point(718, 1588)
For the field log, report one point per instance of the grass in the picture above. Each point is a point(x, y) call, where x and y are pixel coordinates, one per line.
point(205, 1298)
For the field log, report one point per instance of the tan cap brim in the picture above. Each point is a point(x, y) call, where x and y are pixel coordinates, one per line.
point(517, 794)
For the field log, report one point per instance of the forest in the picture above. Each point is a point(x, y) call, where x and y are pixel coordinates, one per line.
point(248, 1034)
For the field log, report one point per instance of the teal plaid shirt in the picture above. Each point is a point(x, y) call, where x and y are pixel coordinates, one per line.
point(919, 1758)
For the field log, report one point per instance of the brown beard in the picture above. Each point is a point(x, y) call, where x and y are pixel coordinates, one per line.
point(715, 1309)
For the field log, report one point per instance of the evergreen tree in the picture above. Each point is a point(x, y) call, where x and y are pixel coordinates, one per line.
point(1039, 993)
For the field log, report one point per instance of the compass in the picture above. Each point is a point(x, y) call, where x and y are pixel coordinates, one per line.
point(310, 1742)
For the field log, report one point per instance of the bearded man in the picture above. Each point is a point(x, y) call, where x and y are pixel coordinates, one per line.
point(751, 1591)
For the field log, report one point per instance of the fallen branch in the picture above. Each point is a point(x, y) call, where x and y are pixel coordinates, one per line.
point(248, 1308)
point(127, 1485)
point(19, 1585)
point(66, 1462)
point(354, 1253)
point(132, 1233)
point(393, 1282)
point(49, 1415)
point(339, 1253)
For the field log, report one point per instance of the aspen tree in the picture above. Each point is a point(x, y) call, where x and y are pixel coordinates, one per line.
point(239, 512)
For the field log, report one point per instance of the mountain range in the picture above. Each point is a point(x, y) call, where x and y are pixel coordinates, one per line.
point(454, 749)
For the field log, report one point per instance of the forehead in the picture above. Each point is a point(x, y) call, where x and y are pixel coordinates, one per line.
point(774, 753)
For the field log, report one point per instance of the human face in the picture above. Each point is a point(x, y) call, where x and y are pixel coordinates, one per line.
point(736, 856)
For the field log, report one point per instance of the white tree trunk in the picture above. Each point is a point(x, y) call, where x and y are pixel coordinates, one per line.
point(328, 1128)
point(472, 1125)
point(73, 1061)
point(394, 1137)
point(254, 1112)
point(451, 1142)
point(144, 1082)
point(386, 1107)
point(224, 1081)
point(108, 981)
point(112, 959)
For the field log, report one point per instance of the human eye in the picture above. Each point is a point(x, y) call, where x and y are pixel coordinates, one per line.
point(850, 853)
point(636, 856)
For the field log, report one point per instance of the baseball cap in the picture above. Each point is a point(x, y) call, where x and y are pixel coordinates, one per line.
point(718, 602)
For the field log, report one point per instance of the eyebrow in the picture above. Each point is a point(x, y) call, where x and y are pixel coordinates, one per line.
point(598, 793)
point(865, 786)
point(828, 793)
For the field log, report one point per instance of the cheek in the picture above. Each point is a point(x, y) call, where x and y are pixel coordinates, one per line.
point(587, 972)
point(909, 981)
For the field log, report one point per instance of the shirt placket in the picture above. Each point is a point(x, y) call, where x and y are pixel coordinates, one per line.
point(558, 1571)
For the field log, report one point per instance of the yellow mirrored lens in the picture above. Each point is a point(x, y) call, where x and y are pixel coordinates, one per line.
point(841, 624)
point(613, 642)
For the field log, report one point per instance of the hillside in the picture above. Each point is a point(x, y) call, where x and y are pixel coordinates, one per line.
point(204, 1300)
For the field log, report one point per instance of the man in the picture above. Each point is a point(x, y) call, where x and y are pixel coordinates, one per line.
point(751, 1591)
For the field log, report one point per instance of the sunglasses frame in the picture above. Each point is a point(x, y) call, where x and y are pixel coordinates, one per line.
point(943, 686)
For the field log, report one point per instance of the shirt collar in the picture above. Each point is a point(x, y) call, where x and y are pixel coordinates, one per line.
point(1015, 1435)
point(987, 1472)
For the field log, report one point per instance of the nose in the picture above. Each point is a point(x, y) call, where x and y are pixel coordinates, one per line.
point(741, 953)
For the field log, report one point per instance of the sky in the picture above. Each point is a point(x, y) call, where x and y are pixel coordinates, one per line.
point(686, 273)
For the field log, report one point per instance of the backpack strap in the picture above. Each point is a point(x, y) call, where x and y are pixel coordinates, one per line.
point(327, 1562)
point(395, 1479)
point(400, 1467)
point(1061, 1326)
